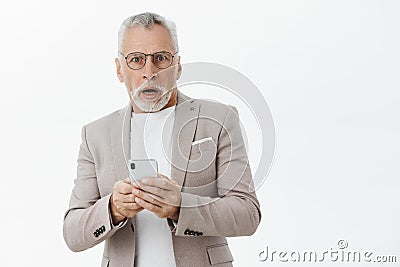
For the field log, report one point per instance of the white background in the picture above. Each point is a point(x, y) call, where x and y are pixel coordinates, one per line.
point(328, 69)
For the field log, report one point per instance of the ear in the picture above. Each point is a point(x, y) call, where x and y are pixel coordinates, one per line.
point(178, 74)
point(119, 70)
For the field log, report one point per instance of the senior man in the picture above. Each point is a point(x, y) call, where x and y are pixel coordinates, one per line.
point(204, 191)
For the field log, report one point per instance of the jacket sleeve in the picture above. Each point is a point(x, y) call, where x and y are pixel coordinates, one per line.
point(236, 210)
point(87, 221)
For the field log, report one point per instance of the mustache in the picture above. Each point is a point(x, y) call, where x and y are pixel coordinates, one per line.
point(155, 86)
point(152, 85)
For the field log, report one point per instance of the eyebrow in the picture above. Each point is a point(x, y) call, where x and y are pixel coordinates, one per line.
point(162, 51)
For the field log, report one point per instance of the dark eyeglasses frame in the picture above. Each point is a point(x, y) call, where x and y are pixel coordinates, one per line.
point(152, 56)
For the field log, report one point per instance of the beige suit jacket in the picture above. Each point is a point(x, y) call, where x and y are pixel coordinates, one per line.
point(218, 198)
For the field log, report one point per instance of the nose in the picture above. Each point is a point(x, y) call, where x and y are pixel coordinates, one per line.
point(149, 70)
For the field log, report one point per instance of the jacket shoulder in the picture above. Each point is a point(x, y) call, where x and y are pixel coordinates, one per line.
point(103, 123)
point(214, 108)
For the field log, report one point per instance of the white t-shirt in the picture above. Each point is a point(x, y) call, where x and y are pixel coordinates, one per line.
point(151, 137)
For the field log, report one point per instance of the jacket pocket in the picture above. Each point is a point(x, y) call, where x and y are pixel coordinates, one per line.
point(203, 146)
point(219, 254)
point(202, 157)
point(105, 262)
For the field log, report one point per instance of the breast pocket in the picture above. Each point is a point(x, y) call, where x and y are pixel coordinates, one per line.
point(202, 156)
point(204, 152)
point(202, 145)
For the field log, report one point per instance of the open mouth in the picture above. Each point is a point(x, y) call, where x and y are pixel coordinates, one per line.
point(150, 93)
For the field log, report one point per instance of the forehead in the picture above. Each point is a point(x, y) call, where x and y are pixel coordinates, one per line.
point(147, 40)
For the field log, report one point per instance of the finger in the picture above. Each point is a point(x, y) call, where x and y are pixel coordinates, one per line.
point(174, 182)
point(157, 200)
point(124, 188)
point(168, 180)
point(146, 197)
point(135, 185)
point(148, 206)
point(163, 176)
point(127, 198)
point(131, 206)
point(128, 181)
point(157, 182)
point(162, 193)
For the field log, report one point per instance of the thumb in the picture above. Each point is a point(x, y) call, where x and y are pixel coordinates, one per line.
point(163, 176)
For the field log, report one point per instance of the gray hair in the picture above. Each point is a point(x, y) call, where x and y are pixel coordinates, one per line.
point(146, 20)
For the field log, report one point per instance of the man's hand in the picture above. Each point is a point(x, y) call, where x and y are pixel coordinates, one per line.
point(160, 195)
point(122, 201)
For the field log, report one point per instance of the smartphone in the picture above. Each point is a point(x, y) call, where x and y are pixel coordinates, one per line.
point(140, 168)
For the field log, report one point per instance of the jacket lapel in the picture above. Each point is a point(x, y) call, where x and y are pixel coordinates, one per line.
point(185, 124)
point(120, 141)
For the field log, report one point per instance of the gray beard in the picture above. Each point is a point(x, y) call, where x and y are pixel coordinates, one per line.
point(151, 106)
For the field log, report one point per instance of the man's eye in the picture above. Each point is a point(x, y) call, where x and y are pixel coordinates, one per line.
point(135, 59)
point(160, 58)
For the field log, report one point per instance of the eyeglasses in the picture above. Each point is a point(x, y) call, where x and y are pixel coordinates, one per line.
point(137, 60)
